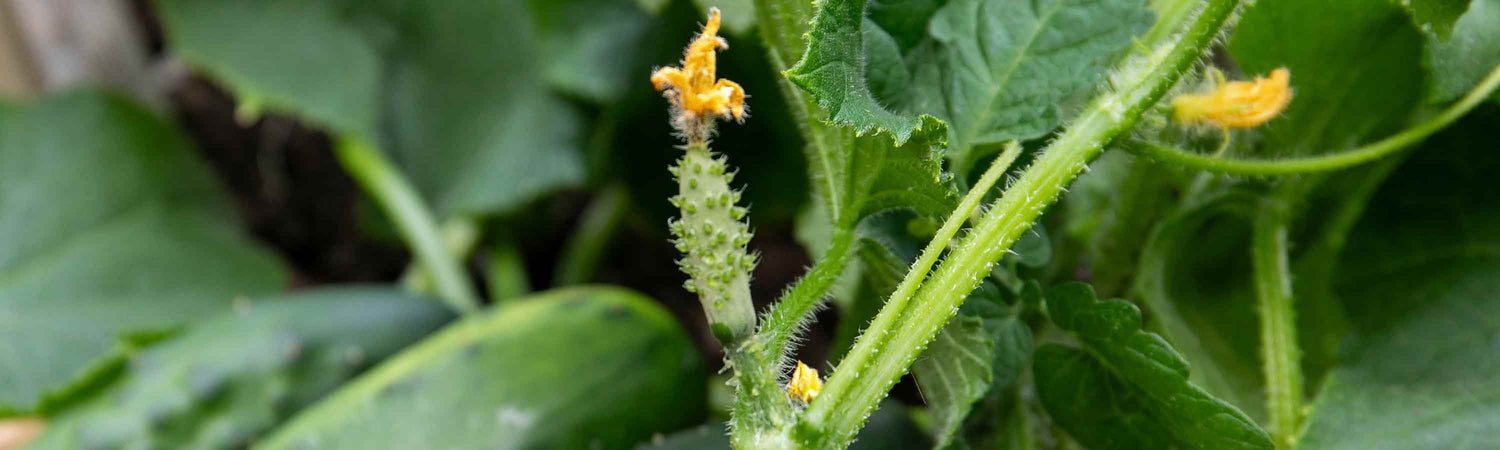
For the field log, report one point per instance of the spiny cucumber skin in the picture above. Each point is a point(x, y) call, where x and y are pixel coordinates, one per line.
point(712, 236)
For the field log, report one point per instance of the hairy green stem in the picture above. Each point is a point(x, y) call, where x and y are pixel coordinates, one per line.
point(1280, 355)
point(762, 410)
point(383, 182)
point(859, 383)
point(1323, 162)
point(581, 256)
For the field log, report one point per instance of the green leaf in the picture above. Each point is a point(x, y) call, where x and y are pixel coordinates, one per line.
point(833, 72)
point(998, 70)
point(993, 71)
point(1420, 280)
point(1437, 17)
point(1355, 78)
point(1194, 278)
point(455, 92)
point(1457, 64)
point(870, 176)
point(111, 229)
point(907, 177)
point(1127, 388)
point(223, 382)
point(569, 368)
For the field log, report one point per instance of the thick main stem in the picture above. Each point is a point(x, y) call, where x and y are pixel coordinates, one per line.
point(413, 219)
point(874, 366)
point(1280, 355)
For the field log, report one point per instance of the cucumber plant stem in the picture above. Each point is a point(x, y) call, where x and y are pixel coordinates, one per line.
point(1280, 355)
point(884, 354)
point(412, 218)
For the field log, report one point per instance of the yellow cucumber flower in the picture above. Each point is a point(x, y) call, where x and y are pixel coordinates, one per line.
point(697, 97)
point(805, 384)
point(1237, 104)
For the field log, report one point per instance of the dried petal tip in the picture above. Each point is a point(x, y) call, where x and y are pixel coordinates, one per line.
point(805, 384)
point(697, 97)
point(1237, 104)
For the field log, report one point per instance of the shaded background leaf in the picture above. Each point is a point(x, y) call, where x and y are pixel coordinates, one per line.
point(1421, 285)
point(458, 99)
point(1457, 63)
point(112, 229)
point(601, 367)
point(222, 382)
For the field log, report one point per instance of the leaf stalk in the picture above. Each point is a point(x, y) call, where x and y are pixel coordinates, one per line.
point(413, 219)
point(1280, 354)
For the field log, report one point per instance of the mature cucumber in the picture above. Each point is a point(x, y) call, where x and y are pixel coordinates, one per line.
point(223, 382)
point(589, 367)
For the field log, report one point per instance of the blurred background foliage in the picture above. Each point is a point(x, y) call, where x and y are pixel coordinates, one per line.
point(168, 163)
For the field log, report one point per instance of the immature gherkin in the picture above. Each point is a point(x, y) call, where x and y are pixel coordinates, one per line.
point(711, 232)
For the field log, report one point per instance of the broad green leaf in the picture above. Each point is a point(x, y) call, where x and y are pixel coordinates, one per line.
point(222, 382)
point(833, 71)
point(456, 92)
point(571, 368)
point(111, 229)
point(1355, 78)
point(1096, 408)
point(1127, 388)
point(908, 177)
point(1437, 17)
point(1421, 281)
point(998, 70)
point(1457, 64)
point(993, 71)
point(870, 176)
point(1194, 278)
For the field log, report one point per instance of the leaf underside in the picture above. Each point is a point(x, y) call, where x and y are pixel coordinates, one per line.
point(1421, 283)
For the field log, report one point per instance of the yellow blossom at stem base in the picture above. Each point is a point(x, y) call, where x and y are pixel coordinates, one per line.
point(1237, 104)
point(697, 96)
point(805, 384)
